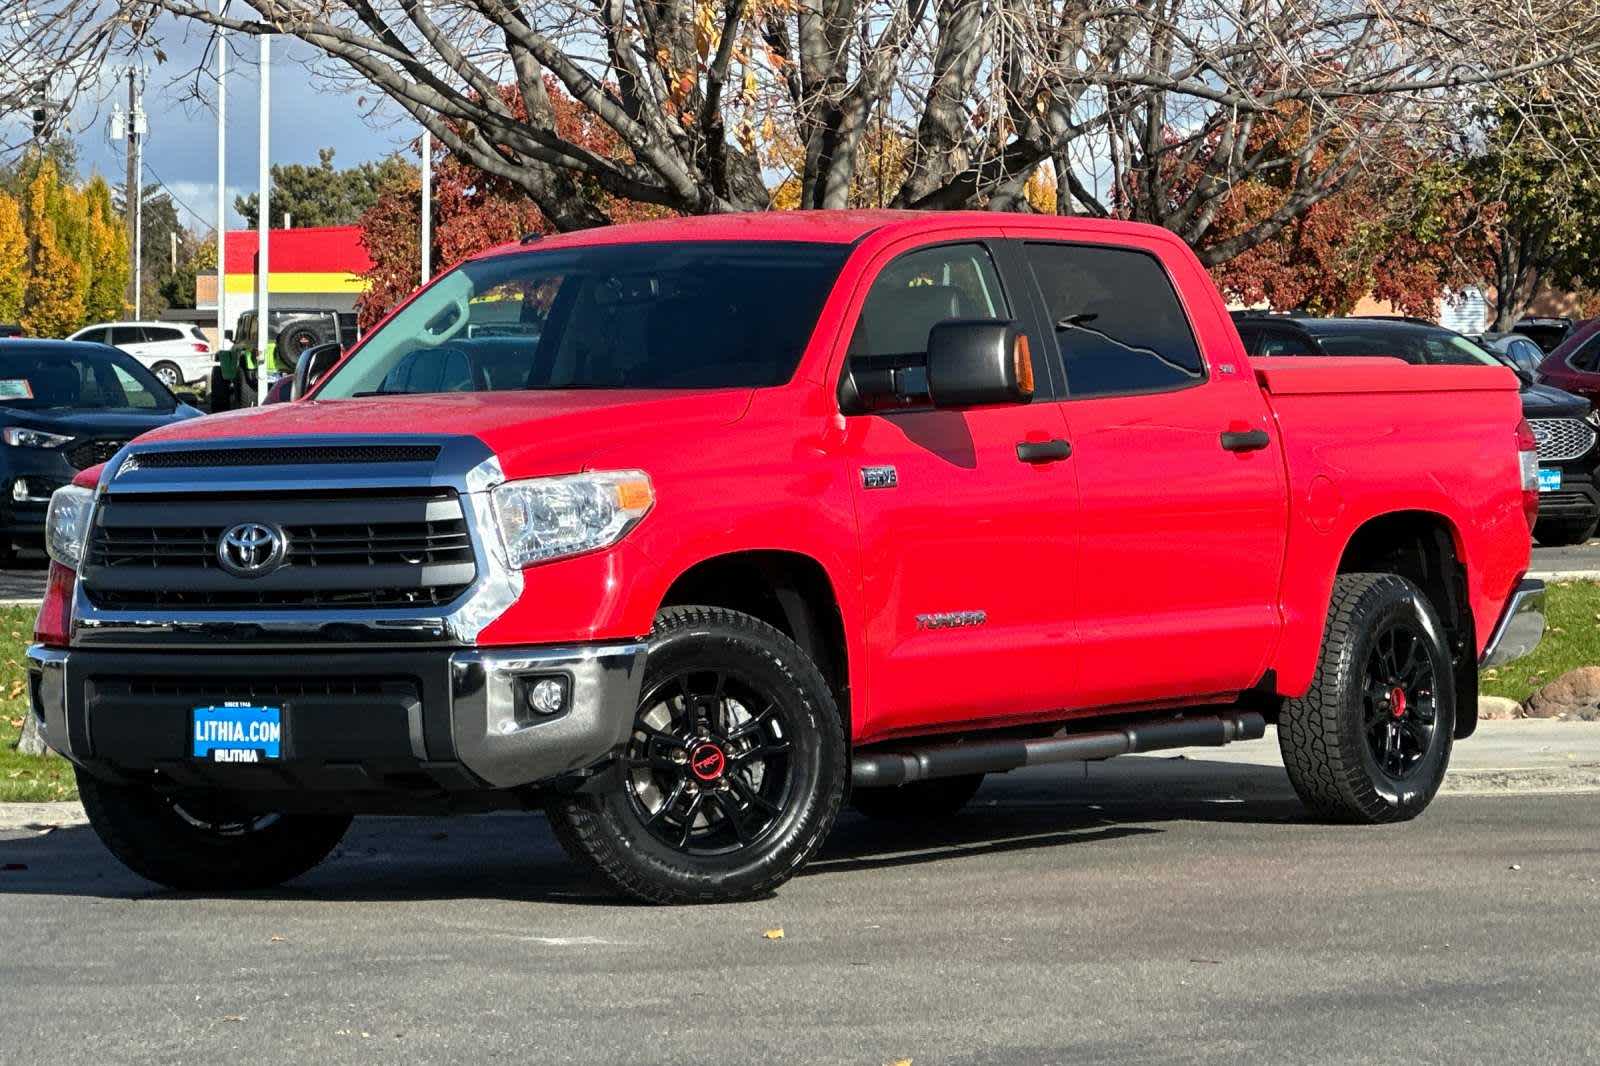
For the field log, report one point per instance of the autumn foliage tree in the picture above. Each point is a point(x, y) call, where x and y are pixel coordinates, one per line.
point(472, 210)
point(1401, 233)
point(13, 259)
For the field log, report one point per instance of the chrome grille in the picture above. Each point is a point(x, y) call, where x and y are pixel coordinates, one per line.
point(1561, 439)
point(378, 550)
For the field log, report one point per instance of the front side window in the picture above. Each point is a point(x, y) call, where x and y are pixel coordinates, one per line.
point(1417, 346)
point(1587, 357)
point(1119, 327)
point(919, 290)
point(642, 316)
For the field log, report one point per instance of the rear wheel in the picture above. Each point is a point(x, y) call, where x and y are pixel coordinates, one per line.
point(201, 843)
point(168, 374)
point(1561, 533)
point(733, 774)
point(1370, 741)
point(920, 801)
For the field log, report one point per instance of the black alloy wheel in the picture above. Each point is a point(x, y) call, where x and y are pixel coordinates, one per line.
point(1401, 714)
point(708, 767)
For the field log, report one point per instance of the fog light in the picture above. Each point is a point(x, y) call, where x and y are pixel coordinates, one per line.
point(19, 490)
point(548, 696)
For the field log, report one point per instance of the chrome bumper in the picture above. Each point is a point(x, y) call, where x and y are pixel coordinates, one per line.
point(1520, 628)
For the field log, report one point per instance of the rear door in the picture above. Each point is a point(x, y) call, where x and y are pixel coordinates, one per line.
point(966, 547)
point(1182, 514)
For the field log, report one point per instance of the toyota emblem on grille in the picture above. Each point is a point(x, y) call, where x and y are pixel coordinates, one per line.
point(251, 549)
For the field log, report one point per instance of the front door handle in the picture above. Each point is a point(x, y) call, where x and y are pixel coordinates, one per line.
point(1251, 440)
point(1043, 451)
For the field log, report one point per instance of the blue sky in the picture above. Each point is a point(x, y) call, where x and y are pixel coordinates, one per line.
point(181, 149)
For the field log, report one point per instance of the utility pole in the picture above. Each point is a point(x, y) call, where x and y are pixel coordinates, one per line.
point(222, 181)
point(132, 193)
point(263, 219)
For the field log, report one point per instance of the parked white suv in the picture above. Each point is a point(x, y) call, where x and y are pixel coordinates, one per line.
point(175, 352)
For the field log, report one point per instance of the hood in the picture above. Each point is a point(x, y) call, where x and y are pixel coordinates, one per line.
point(1547, 401)
point(532, 433)
point(82, 423)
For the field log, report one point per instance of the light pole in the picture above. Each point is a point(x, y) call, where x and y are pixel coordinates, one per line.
point(222, 181)
point(132, 126)
point(263, 217)
point(427, 204)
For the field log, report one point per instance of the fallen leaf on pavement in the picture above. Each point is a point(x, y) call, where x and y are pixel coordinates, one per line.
point(233, 1017)
point(276, 939)
point(774, 934)
point(899, 1062)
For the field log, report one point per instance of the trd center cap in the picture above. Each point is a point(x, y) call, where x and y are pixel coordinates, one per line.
point(707, 761)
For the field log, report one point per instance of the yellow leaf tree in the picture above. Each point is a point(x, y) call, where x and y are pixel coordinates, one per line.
point(13, 259)
point(52, 303)
point(105, 256)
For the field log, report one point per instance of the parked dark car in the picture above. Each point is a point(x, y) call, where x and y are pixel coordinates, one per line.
point(1519, 350)
point(1547, 333)
point(1575, 363)
point(1563, 424)
point(66, 406)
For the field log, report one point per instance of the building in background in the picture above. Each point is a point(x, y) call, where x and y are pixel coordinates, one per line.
point(318, 266)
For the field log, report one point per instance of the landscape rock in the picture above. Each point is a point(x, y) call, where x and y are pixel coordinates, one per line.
point(1574, 695)
point(1498, 709)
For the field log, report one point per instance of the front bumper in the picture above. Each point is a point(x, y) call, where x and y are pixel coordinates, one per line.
point(1521, 625)
point(359, 722)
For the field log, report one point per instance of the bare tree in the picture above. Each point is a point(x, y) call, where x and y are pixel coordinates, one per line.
point(1147, 109)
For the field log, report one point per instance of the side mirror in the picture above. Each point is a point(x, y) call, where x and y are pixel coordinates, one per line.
point(974, 362)
point(314, 364)
point(227, 335)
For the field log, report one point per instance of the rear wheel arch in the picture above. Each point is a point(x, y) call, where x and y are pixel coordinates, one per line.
point(1424, 547)
point(788, 590)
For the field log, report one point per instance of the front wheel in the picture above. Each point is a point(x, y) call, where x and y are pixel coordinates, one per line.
point(200, 843)
point(1370, 741)
point(733, 774)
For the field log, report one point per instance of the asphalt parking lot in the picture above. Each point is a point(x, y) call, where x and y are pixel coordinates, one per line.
point(1141, 921)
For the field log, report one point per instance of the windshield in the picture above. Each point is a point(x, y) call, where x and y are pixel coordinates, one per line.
point(1422, 346)
point(653, 316)
point(82, 377)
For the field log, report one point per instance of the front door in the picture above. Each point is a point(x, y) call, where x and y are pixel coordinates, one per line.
point(1182, 512)
point(965, 546)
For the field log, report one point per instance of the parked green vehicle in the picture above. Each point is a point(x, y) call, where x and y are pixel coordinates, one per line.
point(292, 330)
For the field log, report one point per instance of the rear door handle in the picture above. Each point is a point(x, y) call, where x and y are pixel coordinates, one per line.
point(1251, 440)
point(1043, 451)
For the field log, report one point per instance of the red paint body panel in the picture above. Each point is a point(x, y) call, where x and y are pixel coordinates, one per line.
point(1151, 568)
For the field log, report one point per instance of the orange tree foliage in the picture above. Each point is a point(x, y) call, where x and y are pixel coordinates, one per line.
point(1402, 234)
point(472, 210)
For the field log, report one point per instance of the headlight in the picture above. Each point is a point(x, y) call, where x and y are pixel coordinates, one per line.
point(18, 437)
point(551, 517)
point(1593, 418)
point(66, 524)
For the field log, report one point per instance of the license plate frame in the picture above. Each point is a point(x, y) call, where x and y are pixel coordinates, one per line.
point(236, 732)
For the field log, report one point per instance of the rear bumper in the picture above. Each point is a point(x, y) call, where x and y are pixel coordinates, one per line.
point(1521, 625)
point(404, 723)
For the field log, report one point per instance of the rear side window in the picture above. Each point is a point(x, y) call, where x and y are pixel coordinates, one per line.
point(127, 335)
point(1118, 325)
point(1283, 342)
point(162, 333)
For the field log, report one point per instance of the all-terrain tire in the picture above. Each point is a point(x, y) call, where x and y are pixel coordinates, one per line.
point(1328, 736)
point(920, 801)
point(157, 839)
point(798, 730)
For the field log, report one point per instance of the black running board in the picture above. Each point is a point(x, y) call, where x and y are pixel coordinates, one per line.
point(881, 769)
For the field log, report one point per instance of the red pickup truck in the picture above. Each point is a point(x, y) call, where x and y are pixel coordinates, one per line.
point(691, 532)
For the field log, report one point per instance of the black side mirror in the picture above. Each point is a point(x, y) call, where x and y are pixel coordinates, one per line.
point(314, 364)
point(974, 362)
point(227, 335)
